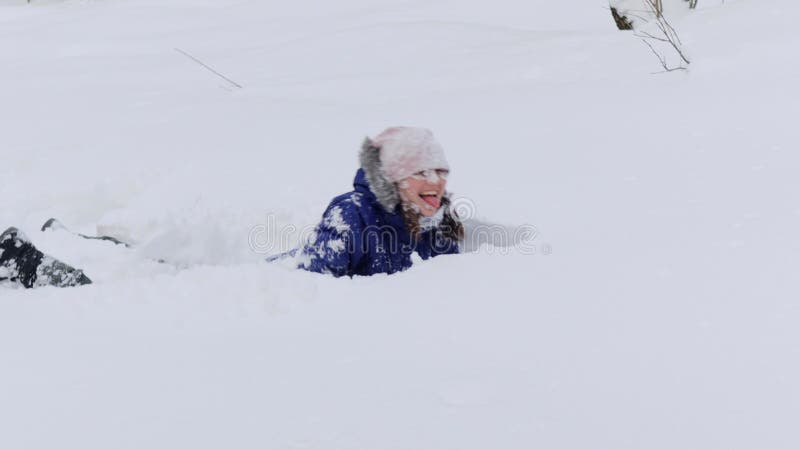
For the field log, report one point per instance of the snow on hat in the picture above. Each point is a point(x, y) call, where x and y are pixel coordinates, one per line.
point(405, 151)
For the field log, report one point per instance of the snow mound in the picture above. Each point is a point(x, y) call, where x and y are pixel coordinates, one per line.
point(655, 309)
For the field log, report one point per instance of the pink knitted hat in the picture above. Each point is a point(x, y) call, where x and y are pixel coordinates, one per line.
point(405, 151)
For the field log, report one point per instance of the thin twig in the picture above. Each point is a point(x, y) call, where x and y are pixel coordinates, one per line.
point(209, 68)
point(672, 30)
point(650, 36)
point(670, 36)
point(660, 58)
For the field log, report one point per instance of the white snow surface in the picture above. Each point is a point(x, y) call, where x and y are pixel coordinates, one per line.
point(660, 310)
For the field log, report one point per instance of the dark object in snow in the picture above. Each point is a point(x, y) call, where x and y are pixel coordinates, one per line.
point(623, 23)
point(55, 224)
point(23, 263)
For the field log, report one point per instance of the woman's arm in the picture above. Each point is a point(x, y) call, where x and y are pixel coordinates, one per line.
point(335, 245)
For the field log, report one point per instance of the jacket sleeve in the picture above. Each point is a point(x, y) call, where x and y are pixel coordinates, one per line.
point(434, 243)
point(334, 247)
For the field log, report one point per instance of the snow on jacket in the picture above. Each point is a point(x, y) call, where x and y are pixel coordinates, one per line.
point(361, 234)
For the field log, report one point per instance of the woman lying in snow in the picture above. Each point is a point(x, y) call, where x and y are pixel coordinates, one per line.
point(399, 207)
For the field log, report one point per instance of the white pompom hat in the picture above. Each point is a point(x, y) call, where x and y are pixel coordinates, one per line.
point(405, 151)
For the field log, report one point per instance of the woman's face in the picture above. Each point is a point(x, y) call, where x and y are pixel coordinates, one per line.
point(424, 190)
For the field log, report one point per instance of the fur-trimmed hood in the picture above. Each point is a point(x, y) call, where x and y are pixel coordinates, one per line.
point(385, 191)
point(375, 182)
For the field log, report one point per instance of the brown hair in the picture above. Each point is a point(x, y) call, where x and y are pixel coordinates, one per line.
point(451, 226)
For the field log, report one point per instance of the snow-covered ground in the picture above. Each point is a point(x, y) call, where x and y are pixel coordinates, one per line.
point(659, 311)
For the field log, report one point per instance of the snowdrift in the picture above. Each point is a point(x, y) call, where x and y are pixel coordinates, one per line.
point(657, 309)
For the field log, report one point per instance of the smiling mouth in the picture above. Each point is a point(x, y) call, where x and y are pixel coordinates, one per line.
point(431, 199)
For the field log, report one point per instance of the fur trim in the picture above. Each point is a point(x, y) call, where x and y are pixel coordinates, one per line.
point(385, 191)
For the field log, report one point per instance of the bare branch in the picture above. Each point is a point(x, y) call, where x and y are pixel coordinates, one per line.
point(667, 35)
point(644, 34)
point(658, 55)
point(209, 68)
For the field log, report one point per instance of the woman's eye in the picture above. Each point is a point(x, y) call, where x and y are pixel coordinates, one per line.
point(431, 174)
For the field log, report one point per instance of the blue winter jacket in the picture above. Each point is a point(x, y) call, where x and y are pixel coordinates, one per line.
point(357, 236)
